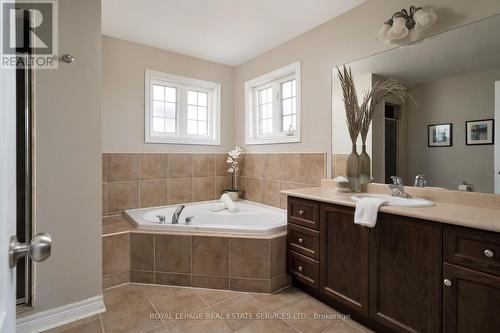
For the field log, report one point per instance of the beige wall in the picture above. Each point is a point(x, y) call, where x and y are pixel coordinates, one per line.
point(68, 161)
point(123, 95)
point(338, 41)
point(454, 100)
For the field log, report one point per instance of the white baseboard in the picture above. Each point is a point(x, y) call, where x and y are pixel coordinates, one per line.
point(44, 320)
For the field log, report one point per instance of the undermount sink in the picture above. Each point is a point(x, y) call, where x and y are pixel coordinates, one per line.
point(394, 201)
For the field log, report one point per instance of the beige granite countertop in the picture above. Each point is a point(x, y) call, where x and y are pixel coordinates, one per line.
point(445, 212)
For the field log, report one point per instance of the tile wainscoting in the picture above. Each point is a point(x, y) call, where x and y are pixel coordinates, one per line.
point(339, 165)
point(231, 263)
point(137, 180)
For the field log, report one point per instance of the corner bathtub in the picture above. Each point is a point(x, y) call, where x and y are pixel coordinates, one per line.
point(252, 219)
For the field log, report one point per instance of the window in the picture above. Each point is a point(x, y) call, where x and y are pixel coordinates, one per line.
point(181, 110)
point(272, 107)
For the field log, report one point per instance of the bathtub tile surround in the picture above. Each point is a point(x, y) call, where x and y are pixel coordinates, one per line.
point(241, 264)
point(152, 166)
point(172, 254)
point(115, 259)
point(250, 258)
point(339, 165)
point(204, 165)
point(142, 257)
point(312, 168)
point(122, 167)
point(267, 174)
point(122, 196)
point(153, 193)
point(138, 180)
point(210, 256)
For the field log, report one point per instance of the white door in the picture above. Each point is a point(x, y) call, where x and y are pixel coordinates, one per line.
point(7, 196)
point(39, 246)
point(497, 137)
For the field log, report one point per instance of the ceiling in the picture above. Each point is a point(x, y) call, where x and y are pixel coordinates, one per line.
point(224, 31)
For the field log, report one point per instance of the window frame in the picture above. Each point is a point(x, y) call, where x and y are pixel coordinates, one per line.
point(183, 85)
point(274, 79)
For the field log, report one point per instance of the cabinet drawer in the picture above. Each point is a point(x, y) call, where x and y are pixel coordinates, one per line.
point(472, 248)
point(303, 240)
point(303, 212)
point(303, 269)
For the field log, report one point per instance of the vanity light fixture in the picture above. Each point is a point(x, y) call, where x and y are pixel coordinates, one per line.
point(400, 24)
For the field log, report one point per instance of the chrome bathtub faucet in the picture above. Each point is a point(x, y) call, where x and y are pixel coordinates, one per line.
point(177, 213)
point(398, 190)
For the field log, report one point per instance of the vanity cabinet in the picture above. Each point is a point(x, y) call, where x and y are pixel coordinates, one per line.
point(303, 241)
point(471, 300)
point(345, 258)
point(404, 275)
point(471, 281)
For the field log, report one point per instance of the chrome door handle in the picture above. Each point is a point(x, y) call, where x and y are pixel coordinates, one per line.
point(301, 212)
point(38, 249)
point(301, 240)
point(447, 282)
point(300, 269)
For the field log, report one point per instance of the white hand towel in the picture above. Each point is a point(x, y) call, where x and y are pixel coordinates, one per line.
point(226, 199)
point(367, 210)
point(218, 206)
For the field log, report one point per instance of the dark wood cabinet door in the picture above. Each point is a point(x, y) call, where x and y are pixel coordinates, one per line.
point(406, 274)
point(471, 301)
point(344, 254)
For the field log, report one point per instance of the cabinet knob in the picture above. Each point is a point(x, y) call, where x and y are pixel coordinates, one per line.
point(301, 212)
point(447, 282)
point(301, 240)
point(300, 269)
point(489, 253)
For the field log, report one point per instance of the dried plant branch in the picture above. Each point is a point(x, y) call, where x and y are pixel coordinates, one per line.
point(353, 113)
point(381, 89)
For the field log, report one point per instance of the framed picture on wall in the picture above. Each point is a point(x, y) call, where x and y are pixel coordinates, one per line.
point(440, 135)
point(480, 132)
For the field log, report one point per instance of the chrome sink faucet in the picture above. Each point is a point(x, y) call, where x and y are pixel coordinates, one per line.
point(177, 213)
point(420, 180)
point(398, 190)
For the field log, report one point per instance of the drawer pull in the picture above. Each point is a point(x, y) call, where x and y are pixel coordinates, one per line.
point(301, 240)
point(447, 282)
point(300, 269)
point(301, 212)
point(489, 253)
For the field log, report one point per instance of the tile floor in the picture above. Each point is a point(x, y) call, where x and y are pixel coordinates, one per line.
point(191, 310)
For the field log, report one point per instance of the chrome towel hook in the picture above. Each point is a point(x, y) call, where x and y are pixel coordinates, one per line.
point(68, 58)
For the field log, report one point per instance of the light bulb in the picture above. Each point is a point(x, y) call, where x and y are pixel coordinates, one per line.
point(398, 29)
point(382, 33)
point(424, 18)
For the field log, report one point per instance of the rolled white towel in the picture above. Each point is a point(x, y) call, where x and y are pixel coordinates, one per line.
point(218, 206)
point(226, 199)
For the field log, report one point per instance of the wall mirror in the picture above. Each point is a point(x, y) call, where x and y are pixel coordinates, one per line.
point(448, 131)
